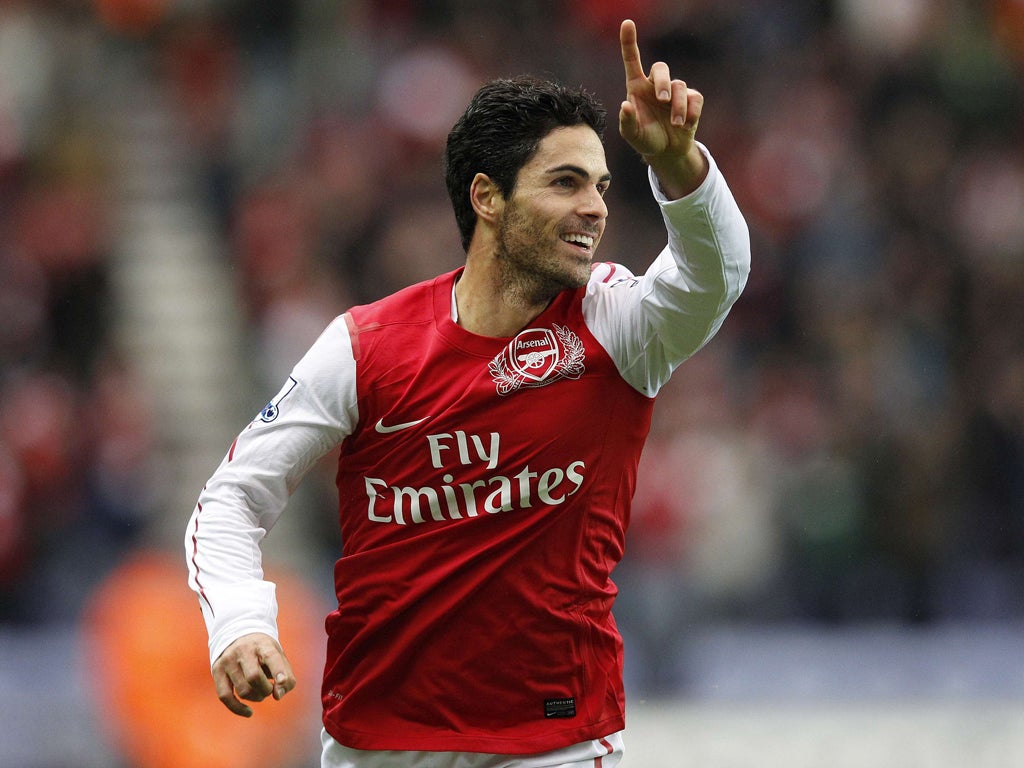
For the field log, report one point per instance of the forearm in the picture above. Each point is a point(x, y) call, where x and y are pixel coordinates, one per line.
point(237, 507)
point(222, 548)
point(709, 244)
point(690, 288)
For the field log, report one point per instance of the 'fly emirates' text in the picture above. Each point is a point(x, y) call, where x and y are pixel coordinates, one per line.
point(403, 505)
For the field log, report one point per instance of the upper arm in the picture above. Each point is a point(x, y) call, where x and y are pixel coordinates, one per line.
point(315, 409)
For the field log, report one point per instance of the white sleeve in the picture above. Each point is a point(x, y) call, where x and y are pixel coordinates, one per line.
point(314, 411)
point(652, 323)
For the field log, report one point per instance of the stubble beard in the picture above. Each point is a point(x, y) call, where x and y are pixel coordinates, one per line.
point(530, 272)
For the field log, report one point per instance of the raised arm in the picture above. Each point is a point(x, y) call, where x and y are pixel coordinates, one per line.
point(652, 323)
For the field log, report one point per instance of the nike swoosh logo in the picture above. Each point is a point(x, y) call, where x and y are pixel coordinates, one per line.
point(384, 430)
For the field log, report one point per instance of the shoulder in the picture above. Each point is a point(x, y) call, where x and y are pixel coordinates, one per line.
point(398, 321)
point(608, 273)
point(414, 303)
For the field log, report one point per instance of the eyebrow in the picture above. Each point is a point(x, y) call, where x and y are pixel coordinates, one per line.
point(583, 173)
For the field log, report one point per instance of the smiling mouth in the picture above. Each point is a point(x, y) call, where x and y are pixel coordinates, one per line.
point(586, 242)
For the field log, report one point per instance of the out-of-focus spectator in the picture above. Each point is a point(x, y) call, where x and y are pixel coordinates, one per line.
point(152, 680)
point(74, 436)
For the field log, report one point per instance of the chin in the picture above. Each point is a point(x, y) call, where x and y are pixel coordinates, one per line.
point(582, 274)
point(583, 277)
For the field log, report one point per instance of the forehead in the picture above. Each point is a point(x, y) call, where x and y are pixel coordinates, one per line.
point(576, 145)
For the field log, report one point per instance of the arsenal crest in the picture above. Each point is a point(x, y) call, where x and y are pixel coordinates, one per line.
point(536, 357)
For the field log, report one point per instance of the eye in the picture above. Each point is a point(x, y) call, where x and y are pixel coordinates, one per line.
point(568, 182)
point(602, 187)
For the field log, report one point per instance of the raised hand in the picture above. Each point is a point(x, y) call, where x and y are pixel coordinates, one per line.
point(659, 119)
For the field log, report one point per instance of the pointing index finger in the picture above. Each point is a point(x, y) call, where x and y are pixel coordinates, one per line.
point(630, 51)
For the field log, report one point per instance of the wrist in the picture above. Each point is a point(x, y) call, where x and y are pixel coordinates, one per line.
point(679, 174)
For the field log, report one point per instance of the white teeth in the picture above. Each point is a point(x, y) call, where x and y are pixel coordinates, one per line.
point(584, 240)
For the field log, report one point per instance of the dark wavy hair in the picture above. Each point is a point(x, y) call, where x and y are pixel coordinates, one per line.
point(501, 130)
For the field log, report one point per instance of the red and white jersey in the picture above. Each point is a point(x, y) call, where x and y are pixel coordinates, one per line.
point(484, 488)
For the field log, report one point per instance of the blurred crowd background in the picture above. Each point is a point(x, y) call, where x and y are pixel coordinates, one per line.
point(190, 190)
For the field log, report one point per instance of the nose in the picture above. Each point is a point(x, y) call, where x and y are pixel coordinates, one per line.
point(592, 204)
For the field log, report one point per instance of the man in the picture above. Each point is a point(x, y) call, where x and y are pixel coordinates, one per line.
point(490, 424)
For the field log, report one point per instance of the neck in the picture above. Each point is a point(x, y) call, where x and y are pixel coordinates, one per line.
point(490, 304)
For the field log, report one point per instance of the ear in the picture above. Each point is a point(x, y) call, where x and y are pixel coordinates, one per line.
point(486, 198)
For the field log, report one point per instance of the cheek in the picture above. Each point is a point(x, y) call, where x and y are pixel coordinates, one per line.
point(520, 227)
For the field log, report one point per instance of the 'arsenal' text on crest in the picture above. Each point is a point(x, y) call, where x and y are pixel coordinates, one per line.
point(538, 356)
